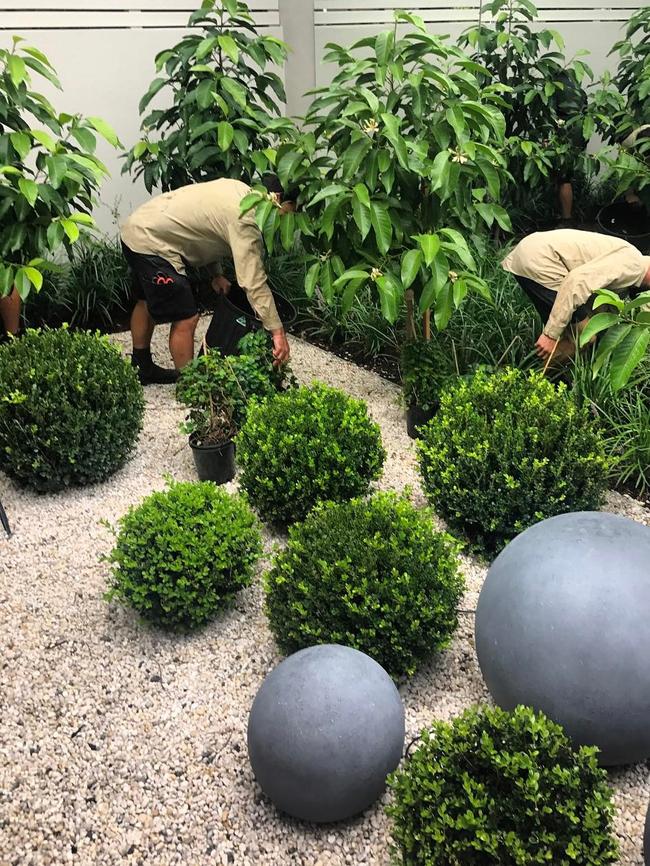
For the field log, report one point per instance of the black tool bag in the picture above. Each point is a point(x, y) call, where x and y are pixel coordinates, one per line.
point(234, 317)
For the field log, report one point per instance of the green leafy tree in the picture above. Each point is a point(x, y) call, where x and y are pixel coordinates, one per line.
point(633, 74)
point(225, 103)
point(400, 157)
point(547, 122)
point(49, 172)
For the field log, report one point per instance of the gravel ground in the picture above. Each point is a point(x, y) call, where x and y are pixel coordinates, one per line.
point(119, 744)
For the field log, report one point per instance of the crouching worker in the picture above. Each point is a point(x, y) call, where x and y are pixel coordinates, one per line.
point(561, 271)
point(195, 225)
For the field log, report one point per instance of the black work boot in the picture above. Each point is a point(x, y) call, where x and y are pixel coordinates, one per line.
point(150, 373)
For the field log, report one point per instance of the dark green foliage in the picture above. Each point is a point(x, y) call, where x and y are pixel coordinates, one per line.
point(507, 450)
point(374, 575)
point(183, 553)
point(502, 789)
point(218, 389)
point(304, 446)
point(70, 409)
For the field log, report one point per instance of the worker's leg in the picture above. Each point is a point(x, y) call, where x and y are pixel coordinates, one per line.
point(142, 326)
point(181, 341)
point(565, 199)
point(10, 312)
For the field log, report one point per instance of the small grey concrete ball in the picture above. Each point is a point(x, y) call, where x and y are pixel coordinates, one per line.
point(563, 626)
point(646, 839)
point(326, 728)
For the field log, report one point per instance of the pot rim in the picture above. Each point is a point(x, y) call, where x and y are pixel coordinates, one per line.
point(216, 447)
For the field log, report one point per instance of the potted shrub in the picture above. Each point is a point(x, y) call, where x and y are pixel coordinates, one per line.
point(423, 373)
point(217, 390)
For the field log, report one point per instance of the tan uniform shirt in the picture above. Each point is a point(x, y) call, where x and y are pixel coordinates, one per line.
point(199, 224)
point(575, 264)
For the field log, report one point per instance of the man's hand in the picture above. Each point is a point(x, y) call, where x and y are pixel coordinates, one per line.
point(545, 347)
point(221, 285)
point(281, 350)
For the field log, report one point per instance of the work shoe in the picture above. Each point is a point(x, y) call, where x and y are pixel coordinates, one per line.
point(151, 374)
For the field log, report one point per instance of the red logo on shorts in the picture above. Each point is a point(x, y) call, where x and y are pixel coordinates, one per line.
point(161, 280)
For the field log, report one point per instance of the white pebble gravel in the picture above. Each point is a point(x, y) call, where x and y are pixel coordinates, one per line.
point(122, 744)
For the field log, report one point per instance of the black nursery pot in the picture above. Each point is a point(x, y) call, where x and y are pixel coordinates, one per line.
point(629, 222)
point(234, 317)
point(417, 417)
point(214, 462)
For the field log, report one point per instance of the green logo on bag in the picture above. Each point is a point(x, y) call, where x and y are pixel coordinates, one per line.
point(241, 321)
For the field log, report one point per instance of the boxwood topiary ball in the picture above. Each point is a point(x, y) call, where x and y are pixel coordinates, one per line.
point(562, 625)
point(326, 728)
point(305, 446)
point(71, 409)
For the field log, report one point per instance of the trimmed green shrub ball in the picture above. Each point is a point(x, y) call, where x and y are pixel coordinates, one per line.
point(306, 446)
point(508, 450)
point(501, 789)
point(369, 574)
point(183, 553)
point(71, 409)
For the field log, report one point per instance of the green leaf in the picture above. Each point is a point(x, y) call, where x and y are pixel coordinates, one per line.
point(327, 282)
point(382, 225)
point(460, 247)
point(361, 216)
point(444, 307)
point(71, 229)
point(456, 120)
point(598, 323)
point(391, 294)
point(311, 279)
point(205, 47)
point(354, 156)
point(351, 274)
point(156, 85)
point(588, 127)
point(85, 138)
point(440, 170)
point(262, 213)
point(56, 169)
point(234, 89)
point(29, 189)
point(139, 149)
point(384, 44)
point(361, 192)
point(287, 167)
point(249, 201)
point(35, 277)
point(229, 47)
point(54, 234)
point(411, 264)
point(607, 296)
point(607, 344)
point(225, 134)
point(83, 219)
point(21, 143)
point(17, 69)
point(627, 356)
point(391, 132)
point(105, 130)
point(371, 99)
point(287, 230)
point(45, 139)
point(328, 192)
point(429, 244)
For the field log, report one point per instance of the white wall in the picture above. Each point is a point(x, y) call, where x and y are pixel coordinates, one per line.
point(104, 50)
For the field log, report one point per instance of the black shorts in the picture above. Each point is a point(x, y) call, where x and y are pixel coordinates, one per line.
point(168, 294)
point(543, 300)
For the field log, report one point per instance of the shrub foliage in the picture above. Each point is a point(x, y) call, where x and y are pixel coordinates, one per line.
point(508, 450)
point(307, 445)
point(502, 789)
point(183, 553)
point(374, 575)
point(70, 409)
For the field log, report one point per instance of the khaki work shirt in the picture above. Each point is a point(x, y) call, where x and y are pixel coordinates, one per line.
point(198, 225)
point(575, 264)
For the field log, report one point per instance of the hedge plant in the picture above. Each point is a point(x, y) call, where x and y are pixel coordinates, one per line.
point(183, 553)
point(304, 446)
point(371, 574)
point(71, 409)
point(501, 789)
point(507, 450)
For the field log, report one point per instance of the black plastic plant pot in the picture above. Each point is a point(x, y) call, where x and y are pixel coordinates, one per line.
point(214, 462)
point(628, 222)
point(234, 317)
point(417, 417)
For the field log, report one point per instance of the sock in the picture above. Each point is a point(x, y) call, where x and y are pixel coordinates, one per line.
point(142, 356)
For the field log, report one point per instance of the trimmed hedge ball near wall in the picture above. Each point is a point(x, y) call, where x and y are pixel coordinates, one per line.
point(507, 450)
point(183, 553)
point(71, 409)
point(497, 789)
point(305, 446)
point(373, 575)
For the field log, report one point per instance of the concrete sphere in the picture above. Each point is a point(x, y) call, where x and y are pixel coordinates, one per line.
point(563, 625)
point(326, 728)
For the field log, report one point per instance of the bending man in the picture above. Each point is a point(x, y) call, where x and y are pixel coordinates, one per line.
point(561, 270)
point(195, 225)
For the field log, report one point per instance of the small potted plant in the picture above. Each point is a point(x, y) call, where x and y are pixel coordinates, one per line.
point(217, 390)
point(423, 374)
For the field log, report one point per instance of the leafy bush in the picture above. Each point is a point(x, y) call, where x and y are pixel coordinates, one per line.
point(49, 176)
point(374, 575)
point(502, 789)
point(218, 389)
point(307, 445)
point(225, 102)
point(183, 553)
point(70, 409)
point(507, 450)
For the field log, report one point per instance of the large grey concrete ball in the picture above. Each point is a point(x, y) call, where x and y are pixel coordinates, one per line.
point(563, 625)
point(326, 728)
point(646, 839)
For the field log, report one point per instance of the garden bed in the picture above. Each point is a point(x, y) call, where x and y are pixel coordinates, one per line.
point(122, 744)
